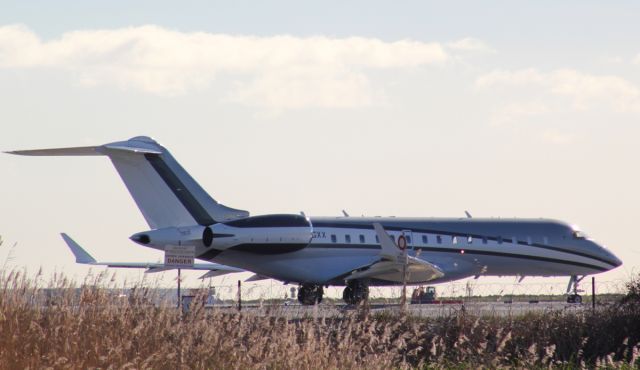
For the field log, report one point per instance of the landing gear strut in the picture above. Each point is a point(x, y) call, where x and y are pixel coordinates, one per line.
point(310, 294)
point(355, 292)
point(572, 290)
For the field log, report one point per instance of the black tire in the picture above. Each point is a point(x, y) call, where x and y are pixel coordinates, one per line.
point(355, 292)
point(574, 298)
point(347, 295)
point(310, 294)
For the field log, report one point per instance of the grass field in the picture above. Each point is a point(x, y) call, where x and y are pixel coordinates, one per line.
point(93, 328)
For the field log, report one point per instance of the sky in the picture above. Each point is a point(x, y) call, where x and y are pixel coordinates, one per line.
point(418, 108)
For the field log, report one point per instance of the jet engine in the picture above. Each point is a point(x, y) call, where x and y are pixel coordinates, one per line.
point(196, 235)
point(268, 234)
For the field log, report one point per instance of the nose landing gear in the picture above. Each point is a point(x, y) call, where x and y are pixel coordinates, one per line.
point(355, 292)
point(310, 294)
point(572, 289)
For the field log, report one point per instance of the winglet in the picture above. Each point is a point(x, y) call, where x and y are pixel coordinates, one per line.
point(468, 214)
point(81, 255)
point(389, 248)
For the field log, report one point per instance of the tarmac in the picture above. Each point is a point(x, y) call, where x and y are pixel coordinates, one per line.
point(500, 309)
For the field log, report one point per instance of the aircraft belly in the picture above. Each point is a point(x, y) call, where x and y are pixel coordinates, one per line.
point(308, 265)
point(324, 266)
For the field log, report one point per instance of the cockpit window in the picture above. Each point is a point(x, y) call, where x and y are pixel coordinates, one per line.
point(577, 234)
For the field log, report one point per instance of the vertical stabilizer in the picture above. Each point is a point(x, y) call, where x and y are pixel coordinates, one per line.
point(164, 192)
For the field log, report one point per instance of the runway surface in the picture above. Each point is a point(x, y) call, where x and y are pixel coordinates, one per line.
point(294, 311)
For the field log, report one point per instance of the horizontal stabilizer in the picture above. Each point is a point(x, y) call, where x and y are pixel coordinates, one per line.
point(81, 255)
point(77, 151)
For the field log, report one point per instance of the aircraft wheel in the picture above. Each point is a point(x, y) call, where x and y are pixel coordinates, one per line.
point(355, 292)
point(574, 298)
point(578, 299)
point(310, 294)
point(347, 295)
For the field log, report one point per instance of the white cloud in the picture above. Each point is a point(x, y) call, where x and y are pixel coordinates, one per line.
point(470, 44)
point(278, 72)
point(584, 90)
point(298, 87)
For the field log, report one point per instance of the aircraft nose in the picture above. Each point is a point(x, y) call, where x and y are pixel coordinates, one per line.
point(615, 260)
point(609, 256)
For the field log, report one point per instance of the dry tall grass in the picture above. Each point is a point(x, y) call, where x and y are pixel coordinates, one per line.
point(95, 329)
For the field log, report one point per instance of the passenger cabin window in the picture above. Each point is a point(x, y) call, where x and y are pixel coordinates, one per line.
point(347, 238)
point(377, 239)
point(439, 239)
point(484, 240)
point(469, 239)
point(424, 239)
point(361, 238)
point(334, 239)
point(454, 240)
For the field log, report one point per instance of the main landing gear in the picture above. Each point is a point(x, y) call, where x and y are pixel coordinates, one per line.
point(572, 290)
point(355, 292)
point(310, 294)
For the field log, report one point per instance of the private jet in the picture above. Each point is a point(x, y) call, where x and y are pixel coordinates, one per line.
point(354, 252)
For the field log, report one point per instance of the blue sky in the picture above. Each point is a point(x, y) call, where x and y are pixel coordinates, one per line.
point(526, 109)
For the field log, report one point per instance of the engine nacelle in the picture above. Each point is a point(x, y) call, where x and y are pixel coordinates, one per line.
point(268, 234)
point(195, 235)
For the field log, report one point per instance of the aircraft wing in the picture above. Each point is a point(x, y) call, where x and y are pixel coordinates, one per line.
point(83, 257)
point(392, 262)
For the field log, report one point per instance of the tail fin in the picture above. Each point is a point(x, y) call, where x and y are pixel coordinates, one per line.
point(164, 192)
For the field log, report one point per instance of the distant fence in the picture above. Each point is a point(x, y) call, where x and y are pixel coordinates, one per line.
point(460, 289)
